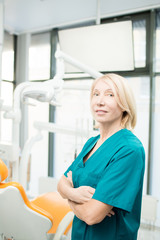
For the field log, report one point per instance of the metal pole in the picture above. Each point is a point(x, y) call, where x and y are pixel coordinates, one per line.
point(98, 19)
point(54, 41)
point(152, 96)
point(1, 45)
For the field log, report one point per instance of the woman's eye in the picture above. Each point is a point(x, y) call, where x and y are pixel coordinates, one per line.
point(110, 94)
point(95, 94)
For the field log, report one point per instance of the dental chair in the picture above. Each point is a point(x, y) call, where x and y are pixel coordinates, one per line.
point(48, 217)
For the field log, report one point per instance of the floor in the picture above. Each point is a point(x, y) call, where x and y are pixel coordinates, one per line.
point(145, 234)
point(148, 234)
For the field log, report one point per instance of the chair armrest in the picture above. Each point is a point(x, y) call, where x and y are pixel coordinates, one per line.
point(63, 225)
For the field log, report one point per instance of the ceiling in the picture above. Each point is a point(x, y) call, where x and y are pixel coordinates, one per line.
point(22, 16)
point(33, 15)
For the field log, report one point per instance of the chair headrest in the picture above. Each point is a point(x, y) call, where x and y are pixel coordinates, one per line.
point(3, 171)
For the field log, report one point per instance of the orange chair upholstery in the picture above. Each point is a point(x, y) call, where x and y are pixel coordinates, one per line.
point(3, 171)
point(53, 203)
point(21, 219)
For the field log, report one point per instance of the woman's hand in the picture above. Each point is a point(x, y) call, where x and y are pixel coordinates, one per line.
point(69, 177)
point(81, 194)
point(91, 212)
point(111, 213)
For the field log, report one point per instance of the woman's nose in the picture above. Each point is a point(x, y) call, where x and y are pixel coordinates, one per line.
point(100, 101)
point(100, 104)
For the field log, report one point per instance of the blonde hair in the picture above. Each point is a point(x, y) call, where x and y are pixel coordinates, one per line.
point(124, 97)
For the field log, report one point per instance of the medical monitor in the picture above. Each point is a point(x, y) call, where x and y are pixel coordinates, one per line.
point(105, 47)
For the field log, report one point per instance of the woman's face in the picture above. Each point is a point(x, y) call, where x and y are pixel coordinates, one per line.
point(104, 106)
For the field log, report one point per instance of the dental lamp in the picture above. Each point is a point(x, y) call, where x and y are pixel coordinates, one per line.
point(47, 91)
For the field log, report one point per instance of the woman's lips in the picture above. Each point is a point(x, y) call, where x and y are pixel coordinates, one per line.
point(103, 111)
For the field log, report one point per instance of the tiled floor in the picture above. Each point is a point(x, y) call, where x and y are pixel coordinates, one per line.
point(148, 234)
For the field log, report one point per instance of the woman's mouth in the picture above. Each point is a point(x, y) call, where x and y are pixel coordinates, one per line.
point(101, 111)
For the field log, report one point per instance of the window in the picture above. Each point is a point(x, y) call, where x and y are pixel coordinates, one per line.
point(140, 88)
point(8, 57)
point(7, 84)
point(158, 41)
point(39, 69)
point(39, 151)
point(140, 25)
point(155, 164)
point(155, 153)
point(74, 113)
point(139, 36)
point(39, 57)
point(6, 124)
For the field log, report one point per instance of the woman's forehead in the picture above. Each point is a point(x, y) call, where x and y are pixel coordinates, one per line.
point(104, 85)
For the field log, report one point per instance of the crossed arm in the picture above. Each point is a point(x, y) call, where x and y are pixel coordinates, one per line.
point(80, 200)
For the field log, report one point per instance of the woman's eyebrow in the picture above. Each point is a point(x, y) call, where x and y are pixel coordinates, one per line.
point(109, 89)
point(95, 89)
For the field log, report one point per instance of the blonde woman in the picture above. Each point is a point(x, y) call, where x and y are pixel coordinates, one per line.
point(104, 184)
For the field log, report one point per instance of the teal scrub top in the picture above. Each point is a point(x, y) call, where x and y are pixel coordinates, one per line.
point(116, 171)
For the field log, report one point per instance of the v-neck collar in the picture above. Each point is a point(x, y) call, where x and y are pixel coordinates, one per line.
point(89, 148)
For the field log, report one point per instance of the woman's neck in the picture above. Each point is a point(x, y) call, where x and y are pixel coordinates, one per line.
point(107, 131)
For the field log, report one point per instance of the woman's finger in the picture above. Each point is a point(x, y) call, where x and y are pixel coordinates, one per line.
point(112, 212)
point(69, 177)
point(91, 190)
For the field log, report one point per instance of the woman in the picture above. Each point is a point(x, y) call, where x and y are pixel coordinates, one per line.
point(104, 184)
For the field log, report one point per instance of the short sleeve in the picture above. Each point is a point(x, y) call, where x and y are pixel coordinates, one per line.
point(122, 179)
